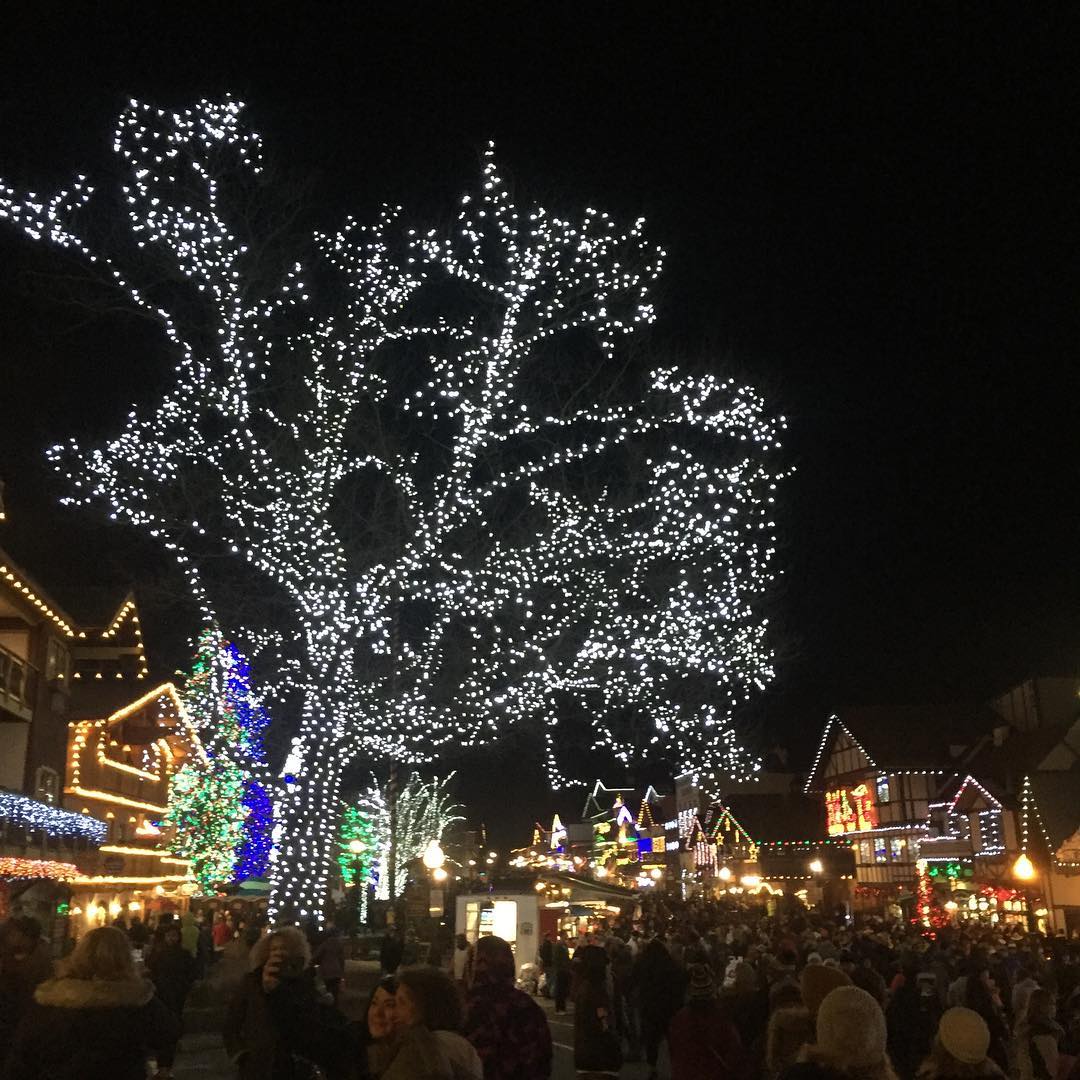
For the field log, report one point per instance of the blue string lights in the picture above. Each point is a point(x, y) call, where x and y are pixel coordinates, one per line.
point(37, 816)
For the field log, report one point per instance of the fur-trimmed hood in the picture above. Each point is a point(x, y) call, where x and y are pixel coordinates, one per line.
point(94, 993)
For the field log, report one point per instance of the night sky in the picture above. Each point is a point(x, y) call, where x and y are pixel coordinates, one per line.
point(871, 214)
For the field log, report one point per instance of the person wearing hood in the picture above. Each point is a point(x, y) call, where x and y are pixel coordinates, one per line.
point(961, 1050)
point(189, 934)
point(508, 1029)
point(850, 1041)
point(98, 1021)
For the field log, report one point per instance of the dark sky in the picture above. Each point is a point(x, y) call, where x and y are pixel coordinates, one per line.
point(870, 211)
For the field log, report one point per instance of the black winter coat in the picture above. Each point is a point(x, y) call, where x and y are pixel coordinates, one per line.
point(270, 1035)
point(83, 1029)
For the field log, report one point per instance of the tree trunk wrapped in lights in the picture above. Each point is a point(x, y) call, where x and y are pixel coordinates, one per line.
point(384, 442)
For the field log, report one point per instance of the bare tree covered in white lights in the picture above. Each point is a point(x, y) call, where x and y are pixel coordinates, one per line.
point(424, 812)
point(377, 439)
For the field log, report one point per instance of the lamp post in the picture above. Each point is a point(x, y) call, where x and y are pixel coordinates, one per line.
point(1024, 871)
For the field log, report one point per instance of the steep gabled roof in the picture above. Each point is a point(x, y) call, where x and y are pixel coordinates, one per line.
point(897, 738)
point(597, 802)
point(1007, 759)
point(1049, 810)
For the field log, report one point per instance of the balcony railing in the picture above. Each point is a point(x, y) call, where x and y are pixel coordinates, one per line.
point(18, 685)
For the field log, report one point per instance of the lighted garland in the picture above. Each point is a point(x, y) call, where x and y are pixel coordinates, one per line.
point(15, 869)
point(37, 816)
point(636, 599)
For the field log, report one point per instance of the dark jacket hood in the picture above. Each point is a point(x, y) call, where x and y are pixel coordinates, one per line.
point(94, 993)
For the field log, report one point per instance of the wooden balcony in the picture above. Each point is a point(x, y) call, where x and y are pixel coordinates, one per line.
point(18, 686)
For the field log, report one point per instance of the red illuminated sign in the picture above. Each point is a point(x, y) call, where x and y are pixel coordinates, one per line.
point(850, 810)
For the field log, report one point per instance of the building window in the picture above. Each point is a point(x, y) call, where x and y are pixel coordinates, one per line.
point(882, 789)
point(57, 660)
point(898, 846)
point(880, 850)
point(47, 785)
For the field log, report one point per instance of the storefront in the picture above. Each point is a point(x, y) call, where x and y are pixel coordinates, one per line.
point(514, 917)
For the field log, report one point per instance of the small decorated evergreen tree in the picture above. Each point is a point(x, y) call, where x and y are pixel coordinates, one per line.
point(221, 807)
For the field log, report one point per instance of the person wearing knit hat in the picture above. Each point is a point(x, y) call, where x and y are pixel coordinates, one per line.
point(703, 1042)
point(850, 1039)
point(961, 1049)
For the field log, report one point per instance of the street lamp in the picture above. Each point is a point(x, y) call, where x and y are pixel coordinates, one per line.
point(1023, 868)
point(439, 873)
point(433, 855)
point(724, 873)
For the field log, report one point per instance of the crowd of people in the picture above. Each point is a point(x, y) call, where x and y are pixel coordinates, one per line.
point(735, 992)
point(732, 993)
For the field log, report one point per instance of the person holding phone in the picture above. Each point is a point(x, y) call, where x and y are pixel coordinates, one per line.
point(278, 1027)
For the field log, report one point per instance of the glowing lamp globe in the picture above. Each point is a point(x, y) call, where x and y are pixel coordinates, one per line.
point(1023, 868)
point(816, 866)
point(656, 873)
point(433, 855)
point(439, 873)
point(724, 873)
point(357, 847)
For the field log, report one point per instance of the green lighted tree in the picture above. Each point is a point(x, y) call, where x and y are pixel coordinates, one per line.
point(219, 803)
point(358, 853)
point(206, 814)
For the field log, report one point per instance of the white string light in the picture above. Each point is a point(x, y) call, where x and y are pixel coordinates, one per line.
point(638, 599)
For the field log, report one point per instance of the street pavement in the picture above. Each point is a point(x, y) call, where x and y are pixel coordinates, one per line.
point(202, 1056)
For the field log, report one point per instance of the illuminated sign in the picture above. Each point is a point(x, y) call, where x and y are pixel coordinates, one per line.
point(850, 810)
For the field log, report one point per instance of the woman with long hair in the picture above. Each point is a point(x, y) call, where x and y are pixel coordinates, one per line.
point(597, 1046)
point(99, 1020)
point(427, 1044)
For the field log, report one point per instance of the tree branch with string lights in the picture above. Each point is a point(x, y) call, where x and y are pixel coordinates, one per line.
point(376, 438)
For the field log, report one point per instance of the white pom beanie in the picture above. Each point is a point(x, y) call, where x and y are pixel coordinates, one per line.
point(851, 1028)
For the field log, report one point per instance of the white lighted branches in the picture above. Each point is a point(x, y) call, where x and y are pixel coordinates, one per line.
point(424, 812)
point(622, 596)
